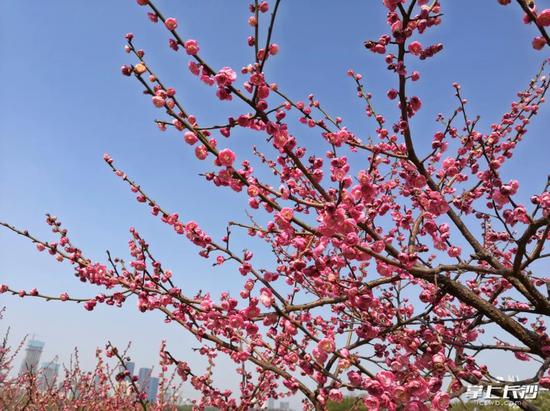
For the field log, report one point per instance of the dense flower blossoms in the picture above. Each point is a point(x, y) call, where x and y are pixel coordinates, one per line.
point(393, 263)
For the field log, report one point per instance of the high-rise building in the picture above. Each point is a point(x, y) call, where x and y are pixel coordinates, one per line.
point(144, 379)
point(131, 366)
point(48, 375)
point(153, 389)
point(32, 356)
point(284, 405)
point(271, 404)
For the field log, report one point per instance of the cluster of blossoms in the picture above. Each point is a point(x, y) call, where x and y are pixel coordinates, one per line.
point(380, 285)
point(107, 387)
point(533, 16)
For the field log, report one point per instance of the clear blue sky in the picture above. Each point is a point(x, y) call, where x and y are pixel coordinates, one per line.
point(64, 103)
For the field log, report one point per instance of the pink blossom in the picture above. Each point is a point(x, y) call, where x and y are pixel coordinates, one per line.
point(225, 76)
point(521, 356)
point(326, 345)
point(335, 395)
point(454, 251)
point(415, 103)
point(224, 93)
point(171, 23)
point(126, 70)
point(190, 138)
point(415, 48)
point(372, 403)
point(319, 355)
point(386, 378)
point(286, 213)
point(158, 101)
point(226, 157)
point(418, 387)
point(194, 68)
point(441, 401)
point(539, 43)
point(266, 297)
point(273, 49)
point(544, 18)
point(392, 94)
point(191, 47)
point(201, 152)
point(90, 304)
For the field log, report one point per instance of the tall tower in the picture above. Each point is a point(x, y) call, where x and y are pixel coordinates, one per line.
point(144, 379)
point(131, 366)
point(153, 389)
point(32, 357)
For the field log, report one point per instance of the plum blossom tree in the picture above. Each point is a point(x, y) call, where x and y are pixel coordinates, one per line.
point(395, 268)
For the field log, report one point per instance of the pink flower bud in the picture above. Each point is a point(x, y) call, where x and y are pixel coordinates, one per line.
point(158, 101)
point(171, 23)
point(539, 43)
point(544, 18)
point(190, 138)
point(126, 70)
point(90, 304)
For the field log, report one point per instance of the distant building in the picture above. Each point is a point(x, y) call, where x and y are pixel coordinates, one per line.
point(48, 375)
point(271, 404)
point(131, 366)
point(144, 379)
point(153, 389)
point(284, 405)
point(32, 357)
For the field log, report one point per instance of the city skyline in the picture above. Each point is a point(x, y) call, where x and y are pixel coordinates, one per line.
point(50, 369)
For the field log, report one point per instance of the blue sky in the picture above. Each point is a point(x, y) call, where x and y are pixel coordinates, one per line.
point(64, 103)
